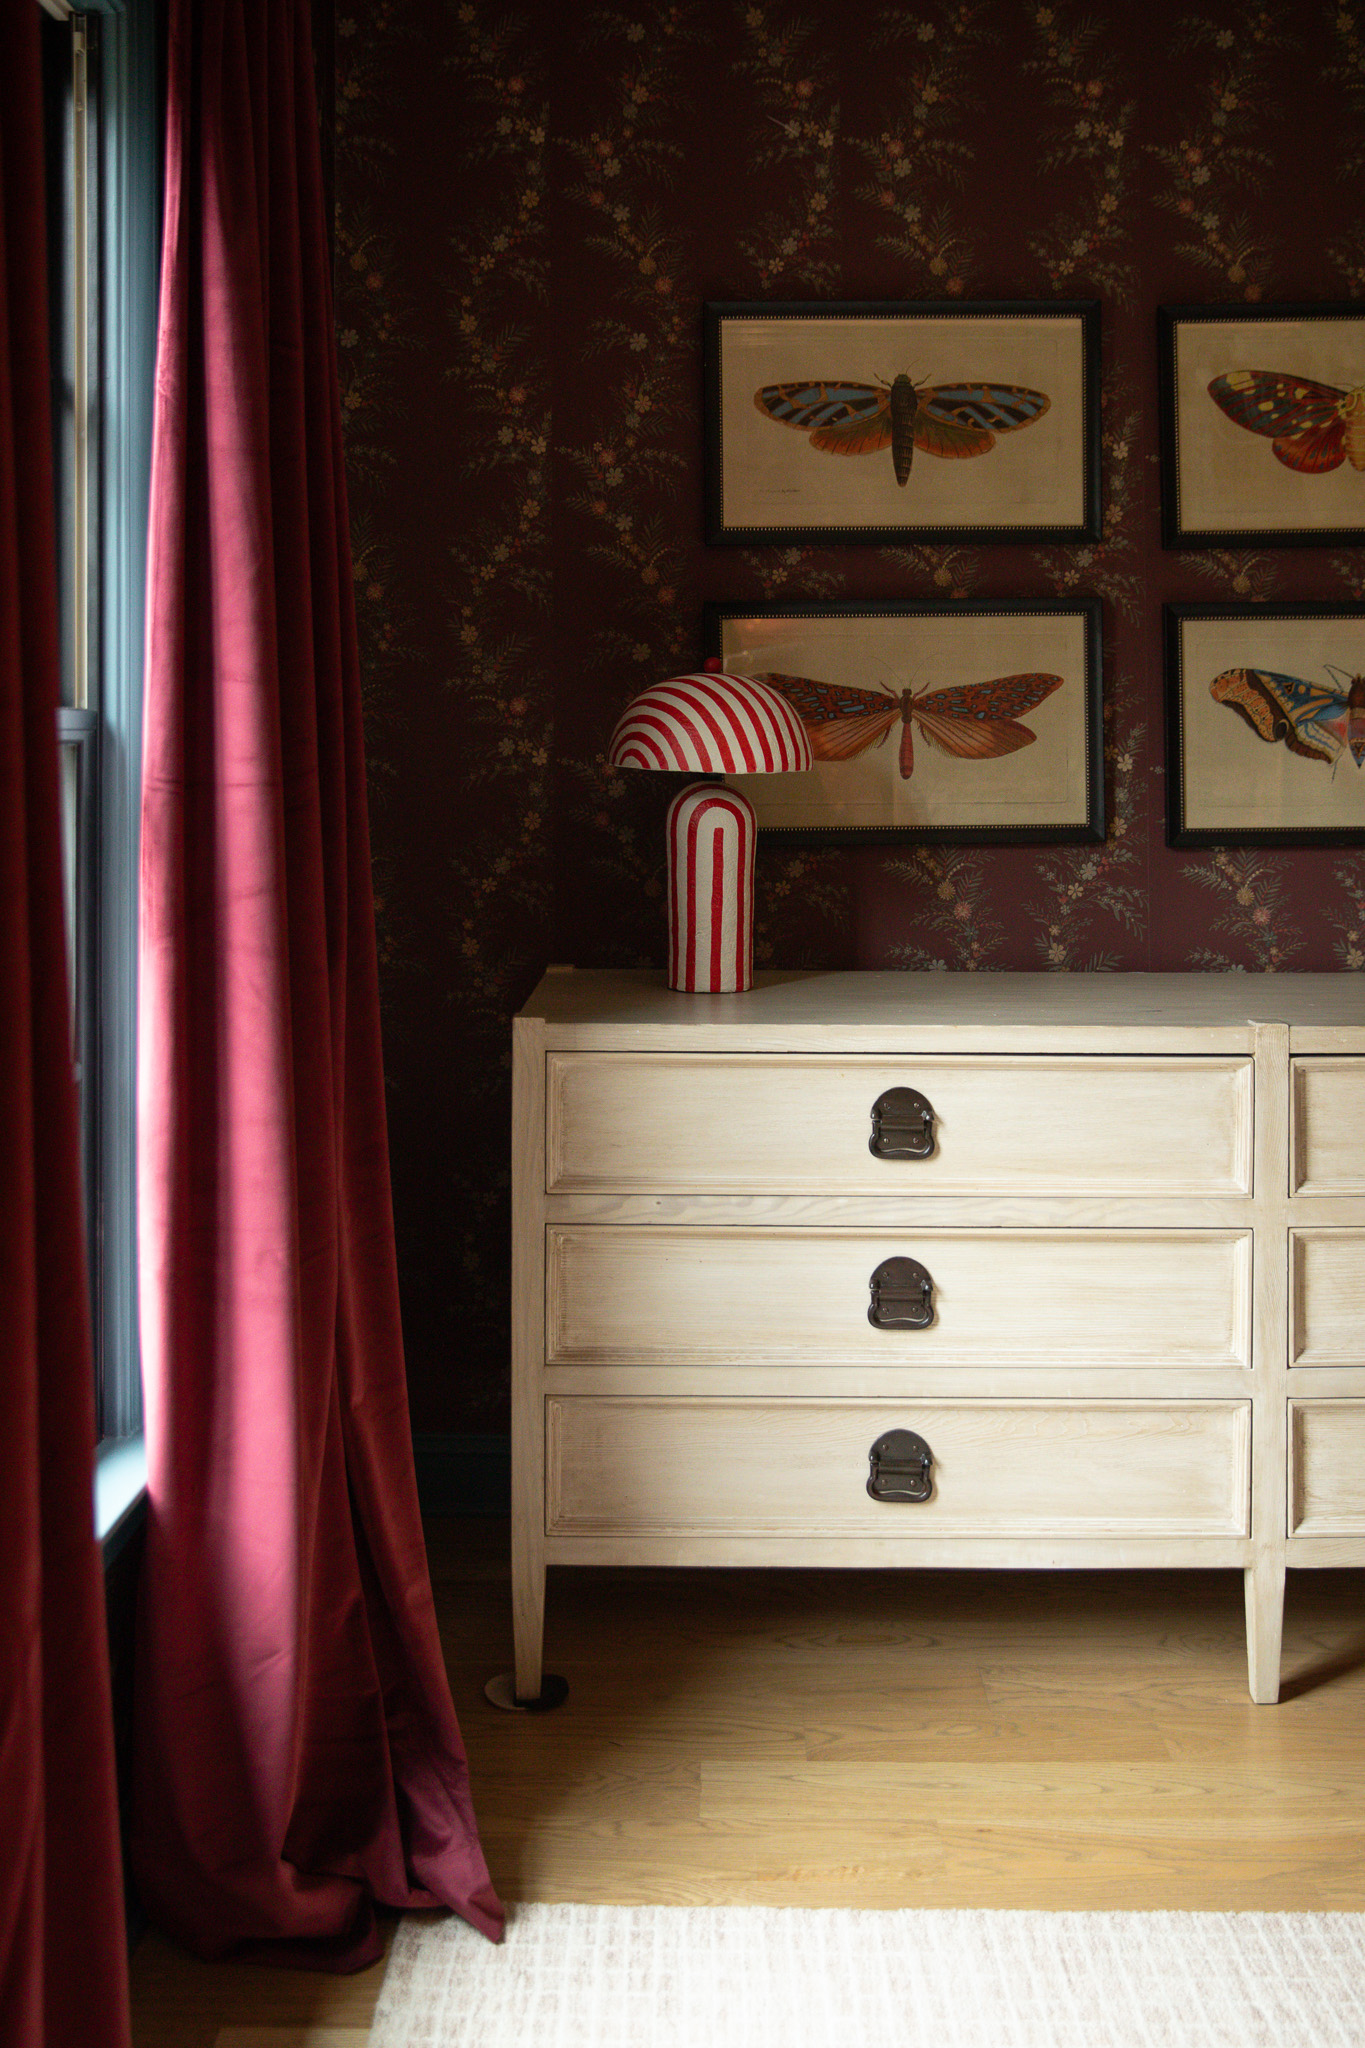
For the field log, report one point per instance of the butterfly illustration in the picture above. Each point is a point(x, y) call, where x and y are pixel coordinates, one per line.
point(1316, 426)
point(975, 721)
point(951, 420)
point(1320, 721)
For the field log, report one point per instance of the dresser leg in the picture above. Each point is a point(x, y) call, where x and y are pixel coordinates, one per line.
point(528, 1610)
point(529, 1689)
point(1265, 1627)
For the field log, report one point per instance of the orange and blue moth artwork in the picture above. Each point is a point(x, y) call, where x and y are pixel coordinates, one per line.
point(1316, 721)
point(843, 417)
point(974, 721)
point(1312, 427)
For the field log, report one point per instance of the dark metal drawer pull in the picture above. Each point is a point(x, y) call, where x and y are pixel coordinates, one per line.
point(902, 1296)
point(901, 1467)
point(902, 1125)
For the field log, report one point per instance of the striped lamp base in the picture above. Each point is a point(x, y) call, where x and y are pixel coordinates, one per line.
point(711, 832)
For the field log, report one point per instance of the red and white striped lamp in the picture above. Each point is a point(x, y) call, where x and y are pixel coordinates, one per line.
point(712, 724)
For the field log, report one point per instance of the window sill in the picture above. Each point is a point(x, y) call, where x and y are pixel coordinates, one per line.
point(120, 1490)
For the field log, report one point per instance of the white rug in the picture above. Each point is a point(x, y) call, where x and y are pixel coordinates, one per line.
point(788, 1977)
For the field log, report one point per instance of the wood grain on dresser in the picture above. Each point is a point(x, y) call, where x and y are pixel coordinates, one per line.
point(1140, 1337)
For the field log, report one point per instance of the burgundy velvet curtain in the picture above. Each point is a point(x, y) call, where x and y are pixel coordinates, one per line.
point(63, 1972)
point(297, 1753)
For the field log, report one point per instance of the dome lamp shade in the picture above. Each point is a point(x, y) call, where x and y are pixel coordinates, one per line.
point(712, 724)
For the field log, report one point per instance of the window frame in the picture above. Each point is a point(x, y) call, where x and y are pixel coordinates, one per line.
point(103, 477)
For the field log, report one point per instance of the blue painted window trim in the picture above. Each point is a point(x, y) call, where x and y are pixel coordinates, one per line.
point(130, 202)
point(102, 745)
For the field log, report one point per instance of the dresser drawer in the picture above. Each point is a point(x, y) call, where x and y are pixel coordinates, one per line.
point(622, 1466)
point(1327, 1468)
point(1327, 1297)
point(659, 1294)
point(1327, 1153)
point(726, 1124)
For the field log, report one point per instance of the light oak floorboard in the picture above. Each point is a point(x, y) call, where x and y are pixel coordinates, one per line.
point(1045, 1740)
point(292, 2037)
point(180, 2002)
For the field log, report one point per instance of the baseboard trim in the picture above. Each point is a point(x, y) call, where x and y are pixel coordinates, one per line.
point(463, 1474)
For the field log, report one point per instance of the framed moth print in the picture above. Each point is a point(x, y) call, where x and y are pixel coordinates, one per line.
point(874, 422)
point(1265, 724)
point(951, 722)
point(1262, 425)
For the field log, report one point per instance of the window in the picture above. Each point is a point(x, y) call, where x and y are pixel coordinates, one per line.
point(103, 149)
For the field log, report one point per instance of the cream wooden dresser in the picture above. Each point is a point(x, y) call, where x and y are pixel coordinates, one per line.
point(1079, 1257)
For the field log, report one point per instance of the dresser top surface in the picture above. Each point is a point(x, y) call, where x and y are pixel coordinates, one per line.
point(636, 1006)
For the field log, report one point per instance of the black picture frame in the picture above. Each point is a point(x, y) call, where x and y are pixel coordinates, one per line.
point(973, 641)
point(758, 469)
point(1222, 484)
point(1233, 778)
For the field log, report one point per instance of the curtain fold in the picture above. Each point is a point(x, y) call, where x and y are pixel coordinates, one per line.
point(63, 1969)
point(297, 1756)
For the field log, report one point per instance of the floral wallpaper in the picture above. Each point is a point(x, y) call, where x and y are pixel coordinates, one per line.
point(533, 203)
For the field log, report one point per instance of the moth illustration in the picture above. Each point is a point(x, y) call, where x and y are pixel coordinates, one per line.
point(1319, 721)
point(975, 721)
point(1316, 427)
point(952, 420)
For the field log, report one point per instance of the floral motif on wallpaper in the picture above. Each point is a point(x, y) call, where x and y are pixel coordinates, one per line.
point(795, 132)
point(1252, 891)
point(374, 328)
point(954, 909)
point(1346, 68)
point(1087, 89)
point(1227, 73)
point(1241, 573)
point(1347, 918)
point(623, 462)
point(497, 363)
point(935, 57)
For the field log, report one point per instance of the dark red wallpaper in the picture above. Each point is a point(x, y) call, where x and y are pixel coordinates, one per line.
point(533, 204)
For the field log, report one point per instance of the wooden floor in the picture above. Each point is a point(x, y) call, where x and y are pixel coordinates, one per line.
point(1043, 1740)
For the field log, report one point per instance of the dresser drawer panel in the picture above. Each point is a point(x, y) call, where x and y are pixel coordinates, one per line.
point(1327, 1468)
point(657, 1295)
point(1090, 1469)
point(1327, 1297)
point(1327, 1109)
point(728, 1124)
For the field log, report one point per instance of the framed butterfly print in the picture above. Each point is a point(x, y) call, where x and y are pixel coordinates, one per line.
point(952, 722)
point(867, 421)
point(1262, 425)
point(1265, 724)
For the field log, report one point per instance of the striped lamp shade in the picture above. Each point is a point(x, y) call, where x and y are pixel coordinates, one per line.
point(712, 724)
